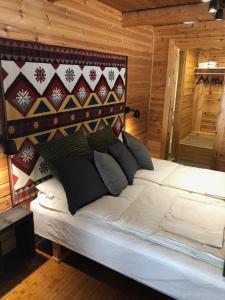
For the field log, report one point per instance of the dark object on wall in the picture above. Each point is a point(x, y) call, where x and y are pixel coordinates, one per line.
point(136, 112)
point(219, 15)
point(208, 80)
point(216, 7)
point(10, 147)
point(16, 238)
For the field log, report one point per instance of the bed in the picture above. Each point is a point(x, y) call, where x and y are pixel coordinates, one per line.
point(113, 232)
point(109, 230)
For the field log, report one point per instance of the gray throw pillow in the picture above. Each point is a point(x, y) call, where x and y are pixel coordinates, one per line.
point(139, 151)
point(110, 172)
point(125, 159)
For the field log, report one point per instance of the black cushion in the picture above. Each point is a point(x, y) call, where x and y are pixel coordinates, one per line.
point(110, 172)
point(81, 181)
point(53, 151)
point(100, 140)
point(125, 159)
point(139, 151)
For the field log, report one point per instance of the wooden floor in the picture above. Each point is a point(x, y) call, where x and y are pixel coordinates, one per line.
point(76, 278)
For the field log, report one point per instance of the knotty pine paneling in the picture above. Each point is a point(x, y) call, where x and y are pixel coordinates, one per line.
point(187, 96)
point(211, 94)
point(87, 25)
point(212, 32)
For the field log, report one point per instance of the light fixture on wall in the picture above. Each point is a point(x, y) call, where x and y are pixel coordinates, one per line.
point(219, 14)
point(10, 147)
point(216, 7)
point(136, 112)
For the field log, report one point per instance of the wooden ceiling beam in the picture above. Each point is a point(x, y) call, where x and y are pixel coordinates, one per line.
point(168, 15)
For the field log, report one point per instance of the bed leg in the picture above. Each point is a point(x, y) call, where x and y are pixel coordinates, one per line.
point(56, 250)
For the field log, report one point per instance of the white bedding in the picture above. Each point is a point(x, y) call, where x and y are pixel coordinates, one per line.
point(202, 222)
point(146, 213)
point(140, 210)
point(196, 180)
point(166, 270)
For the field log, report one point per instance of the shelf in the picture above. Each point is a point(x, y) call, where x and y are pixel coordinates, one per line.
point(210, 71)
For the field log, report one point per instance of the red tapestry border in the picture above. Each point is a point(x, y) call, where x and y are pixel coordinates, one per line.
point(37, 52)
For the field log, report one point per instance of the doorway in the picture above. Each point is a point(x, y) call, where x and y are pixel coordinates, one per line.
point(195, 110)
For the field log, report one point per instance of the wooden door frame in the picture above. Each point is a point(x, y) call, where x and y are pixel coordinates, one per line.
point(175, 45)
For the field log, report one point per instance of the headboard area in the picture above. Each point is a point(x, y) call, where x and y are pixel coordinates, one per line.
point(49, 92)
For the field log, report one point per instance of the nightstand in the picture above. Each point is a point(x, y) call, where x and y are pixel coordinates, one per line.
point(16, 238)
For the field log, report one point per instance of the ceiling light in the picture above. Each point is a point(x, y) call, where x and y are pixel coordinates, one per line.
point(212, 6)
point(219, 15)
point(205, 1)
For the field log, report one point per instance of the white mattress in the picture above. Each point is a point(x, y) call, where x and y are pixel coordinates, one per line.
point(146, 261)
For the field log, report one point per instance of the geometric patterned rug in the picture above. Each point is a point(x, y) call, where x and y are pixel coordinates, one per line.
point(51, 92)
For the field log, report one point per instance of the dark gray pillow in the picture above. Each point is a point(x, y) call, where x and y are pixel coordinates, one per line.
point(55, 150)
point(100, 140)
point(80, 180)
point(110, 172)
point(125, 159)
point(139, 151)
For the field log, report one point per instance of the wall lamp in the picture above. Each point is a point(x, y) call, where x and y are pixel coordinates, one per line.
point(216, 6)
point(10, 147)
point(136, 112)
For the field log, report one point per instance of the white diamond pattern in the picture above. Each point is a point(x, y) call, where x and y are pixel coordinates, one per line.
point(111, 75)
point(13, 71)
point(92, 76)
point(30, 71)
point(69, 75)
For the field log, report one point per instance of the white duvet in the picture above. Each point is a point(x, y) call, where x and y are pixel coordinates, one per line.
point(142, 210)
point(203, 181)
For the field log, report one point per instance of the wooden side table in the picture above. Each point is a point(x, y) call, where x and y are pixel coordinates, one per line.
point(16, 238)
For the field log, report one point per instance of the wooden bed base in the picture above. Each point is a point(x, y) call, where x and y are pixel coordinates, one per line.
point(56, 252)
point(57, 255)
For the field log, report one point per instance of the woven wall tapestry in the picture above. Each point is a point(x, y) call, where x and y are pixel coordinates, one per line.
point(50, 92)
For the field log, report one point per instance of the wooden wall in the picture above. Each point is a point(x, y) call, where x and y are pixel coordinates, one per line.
point(212, 32)
point(88, 25)
point(187, 95)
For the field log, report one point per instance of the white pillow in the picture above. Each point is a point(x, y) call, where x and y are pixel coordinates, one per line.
point(53, 203)
point(52, 188)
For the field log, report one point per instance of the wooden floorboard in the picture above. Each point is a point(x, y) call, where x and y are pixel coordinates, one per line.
point(76, 278)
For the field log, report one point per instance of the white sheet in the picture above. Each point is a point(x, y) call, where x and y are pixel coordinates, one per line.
point(197, 180)
point(171, 272)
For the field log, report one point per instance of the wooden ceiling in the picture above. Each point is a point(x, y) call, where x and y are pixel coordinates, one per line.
point(137, 5)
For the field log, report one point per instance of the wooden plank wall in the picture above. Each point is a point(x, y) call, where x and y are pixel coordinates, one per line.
point(88, 25)
point(213, 32)
point(187, 96)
